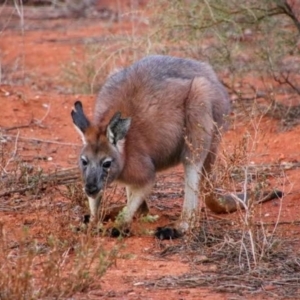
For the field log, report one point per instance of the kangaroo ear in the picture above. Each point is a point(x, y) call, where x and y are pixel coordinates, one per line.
point(117, 128)
point(80, 120)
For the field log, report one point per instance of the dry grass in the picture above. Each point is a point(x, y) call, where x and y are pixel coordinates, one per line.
point(248, 255)
point(223, 251)
point(41, 255)
point(245, 43)
point(53, 266)
point(69, 262)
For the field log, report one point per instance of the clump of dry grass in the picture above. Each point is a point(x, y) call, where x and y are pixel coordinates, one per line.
point(216, 250)
point(253, 46)
point(50, 266)
point(240, 253)
point(40, 254)
point(86, 72)
point(237, 173)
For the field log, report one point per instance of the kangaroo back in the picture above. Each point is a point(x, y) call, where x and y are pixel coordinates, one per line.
point(153, 92)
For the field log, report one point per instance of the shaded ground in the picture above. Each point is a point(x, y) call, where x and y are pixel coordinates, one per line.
point(37, 131)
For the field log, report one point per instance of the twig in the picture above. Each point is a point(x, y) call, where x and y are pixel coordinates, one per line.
point(287, 9)
point(13, 154)
point(16, 190)
point(39, 122)
point(18, 126)
point(43, 141)
point(62, 177)
point(296, 222)
point(286, 80)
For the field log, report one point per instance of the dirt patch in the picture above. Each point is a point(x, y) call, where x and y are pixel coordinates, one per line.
point(37, 137)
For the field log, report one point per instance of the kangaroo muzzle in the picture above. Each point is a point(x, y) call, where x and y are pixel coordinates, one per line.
point(94, 189)
point(91, 190)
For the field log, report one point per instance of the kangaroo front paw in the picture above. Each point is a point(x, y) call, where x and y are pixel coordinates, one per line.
point(86, 219)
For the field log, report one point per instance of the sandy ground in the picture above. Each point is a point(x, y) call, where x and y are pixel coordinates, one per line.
point(36, 129)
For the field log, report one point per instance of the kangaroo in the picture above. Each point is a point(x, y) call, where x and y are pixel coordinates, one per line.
point(150, 116)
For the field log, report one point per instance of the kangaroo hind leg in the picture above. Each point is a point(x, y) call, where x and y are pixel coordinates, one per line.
point(199, 136)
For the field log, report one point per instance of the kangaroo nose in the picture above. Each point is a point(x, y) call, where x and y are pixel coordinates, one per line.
point(91, 189)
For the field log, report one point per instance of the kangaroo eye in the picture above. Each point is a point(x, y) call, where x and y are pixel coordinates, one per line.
point(106, 164)
point(84, 161)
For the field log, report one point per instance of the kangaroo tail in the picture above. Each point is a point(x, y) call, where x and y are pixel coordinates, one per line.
point(228, 203)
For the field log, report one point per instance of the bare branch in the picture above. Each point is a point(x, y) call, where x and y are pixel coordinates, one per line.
point(288, 10)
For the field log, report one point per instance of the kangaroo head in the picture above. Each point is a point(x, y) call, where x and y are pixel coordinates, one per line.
point(102, 157)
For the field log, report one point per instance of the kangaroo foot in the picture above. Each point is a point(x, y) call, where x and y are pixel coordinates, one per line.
point(167, 233)
point(117, 232)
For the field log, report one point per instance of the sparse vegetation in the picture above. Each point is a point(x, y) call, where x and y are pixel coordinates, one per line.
point(244, 41)
point(50, 266)
point(254, 46)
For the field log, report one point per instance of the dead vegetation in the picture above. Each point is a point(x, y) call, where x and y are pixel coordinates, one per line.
point(244, 42)
point(246, 255)
point(43, 255)
point(249, 254)
point(223, 249)
point(50, 10)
